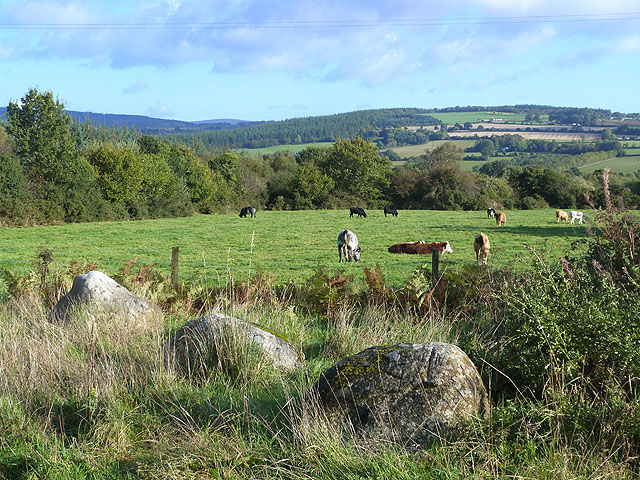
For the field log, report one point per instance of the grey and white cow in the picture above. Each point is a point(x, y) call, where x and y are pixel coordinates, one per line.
point(576, 215)
point(348, 246)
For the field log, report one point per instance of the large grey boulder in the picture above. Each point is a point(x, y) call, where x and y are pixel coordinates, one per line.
point(97, 290)
point(407, 393)
point(201, 341)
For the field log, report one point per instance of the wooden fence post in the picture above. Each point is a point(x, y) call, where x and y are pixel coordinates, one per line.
point(174, 267)
point(435, 264)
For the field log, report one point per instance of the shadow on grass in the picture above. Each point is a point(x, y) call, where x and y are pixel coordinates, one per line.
point(17, 466)
point(567, 231)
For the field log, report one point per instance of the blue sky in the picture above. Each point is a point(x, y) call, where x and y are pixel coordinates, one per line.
point(277, 59)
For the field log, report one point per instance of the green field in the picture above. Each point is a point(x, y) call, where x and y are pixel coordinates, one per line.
point(417, 150)
point(281, 148)
point(628, 164)
point(475, 117)
point(467, 165)
point(290, 245)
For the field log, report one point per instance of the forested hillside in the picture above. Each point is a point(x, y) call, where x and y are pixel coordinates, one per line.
point(364, 123)
point(144, 124)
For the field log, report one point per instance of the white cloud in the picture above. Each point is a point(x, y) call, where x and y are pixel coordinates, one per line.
point(138, 86)
point(628, 44)
point(160, 110)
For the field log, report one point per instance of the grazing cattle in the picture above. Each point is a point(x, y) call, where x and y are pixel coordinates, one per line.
point(390, 210)
point(358, 211)
point(491, 213)
point(481, 245)
point(562, 215)
point(501, 219)
point(575, 215)
point(421, 248)
point(248, 211)
point(348, 246)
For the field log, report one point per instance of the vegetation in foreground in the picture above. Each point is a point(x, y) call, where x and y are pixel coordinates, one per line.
point(556, 344)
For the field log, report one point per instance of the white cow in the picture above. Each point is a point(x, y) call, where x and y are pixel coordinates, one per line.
point(575, 215)
point(348, 246)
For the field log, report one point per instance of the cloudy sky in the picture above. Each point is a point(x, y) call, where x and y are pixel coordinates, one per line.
point(277, 59)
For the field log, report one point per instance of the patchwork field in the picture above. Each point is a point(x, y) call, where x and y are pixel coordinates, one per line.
point(290, 245)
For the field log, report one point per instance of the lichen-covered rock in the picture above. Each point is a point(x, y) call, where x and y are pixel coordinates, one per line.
point(198, 341)
point(408, 393)
point(96, 289)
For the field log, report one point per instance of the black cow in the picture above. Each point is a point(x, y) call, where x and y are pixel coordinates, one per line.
point(390, 210)
point(491, 213)
point(358, 211)
point(248, 211)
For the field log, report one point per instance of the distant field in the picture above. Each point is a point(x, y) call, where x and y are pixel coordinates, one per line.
point(467, 165)
point(475, 117)
point(290, 245)
point(558, 136)
point(281, 148)
point(628, 164)
point(417, 150)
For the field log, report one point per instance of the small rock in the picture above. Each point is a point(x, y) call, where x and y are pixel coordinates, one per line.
point(192, 345)
point(98, 289)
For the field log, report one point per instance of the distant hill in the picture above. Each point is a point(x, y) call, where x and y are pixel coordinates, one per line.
point(231, 121)
point(147, 125)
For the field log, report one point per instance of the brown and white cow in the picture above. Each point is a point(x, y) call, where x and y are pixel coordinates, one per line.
point(501, 219)
point(420, 248)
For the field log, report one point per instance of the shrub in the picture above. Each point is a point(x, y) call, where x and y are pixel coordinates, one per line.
point(562, 321)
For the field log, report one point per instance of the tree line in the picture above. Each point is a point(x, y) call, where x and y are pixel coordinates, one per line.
point(55, 170)
point(328, 128)
point(513, 144)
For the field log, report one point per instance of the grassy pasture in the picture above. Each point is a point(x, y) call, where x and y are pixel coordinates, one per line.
point(417, 150)
point(475, 117)
point(291, 245)
point(467, 165)
point(628, 164)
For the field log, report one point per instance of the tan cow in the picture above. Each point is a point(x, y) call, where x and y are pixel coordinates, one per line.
point(481, 245)
point(562, 215)
point(501, 219)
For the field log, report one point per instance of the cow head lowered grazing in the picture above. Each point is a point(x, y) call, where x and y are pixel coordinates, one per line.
point(248, 211)
point(391, 211)
point(357, 211)
point(575, 215)
point(421, 248)
point(482, 246)
point(348, 246)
